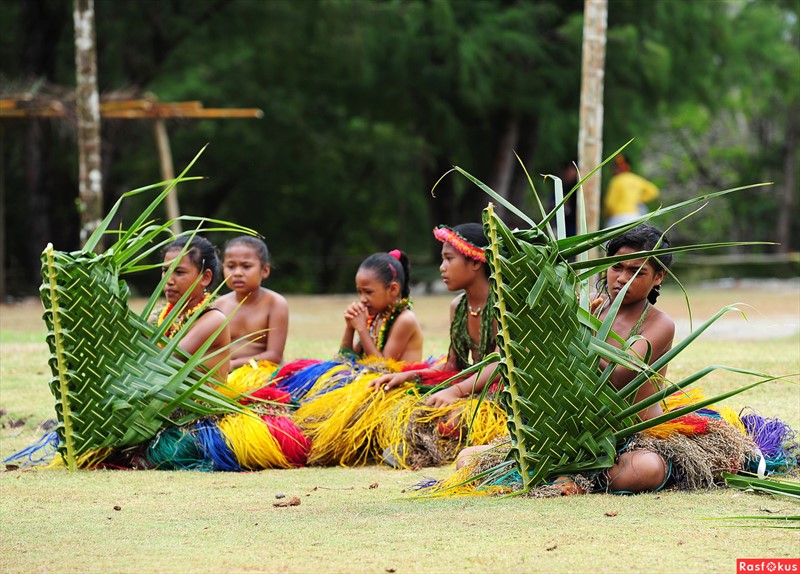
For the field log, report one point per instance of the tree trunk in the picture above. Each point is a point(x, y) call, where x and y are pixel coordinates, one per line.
point(786, 214)
point(87, 108)
point(590, 134)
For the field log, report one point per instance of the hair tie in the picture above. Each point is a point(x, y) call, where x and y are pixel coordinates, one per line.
point(396, 254)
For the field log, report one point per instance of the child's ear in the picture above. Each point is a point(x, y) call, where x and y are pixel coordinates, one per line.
point(206, 278)
point(659, 277)
point(394, 288)
point(265, 271)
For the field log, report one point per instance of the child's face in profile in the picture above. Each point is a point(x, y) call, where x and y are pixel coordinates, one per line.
point(243, 269)
point(373, 293)
point(182, 277)
point(457, 271)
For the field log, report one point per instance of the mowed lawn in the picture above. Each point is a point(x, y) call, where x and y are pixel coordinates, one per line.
point(366, 519)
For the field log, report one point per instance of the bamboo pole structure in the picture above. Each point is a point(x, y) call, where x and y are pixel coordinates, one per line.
point(168, 172)
point(590, 135)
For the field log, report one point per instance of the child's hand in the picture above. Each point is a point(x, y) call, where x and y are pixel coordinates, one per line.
point(444, 397)
point(595, 305)
point(391, 380)
point(355, 315)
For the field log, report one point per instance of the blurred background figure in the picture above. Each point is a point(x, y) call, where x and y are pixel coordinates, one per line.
point(627, 194)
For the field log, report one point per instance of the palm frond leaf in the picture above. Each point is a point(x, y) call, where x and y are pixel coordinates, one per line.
point(115, 377)
point(564, 416)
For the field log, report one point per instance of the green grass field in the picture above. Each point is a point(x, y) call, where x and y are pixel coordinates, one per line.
point(363, 519)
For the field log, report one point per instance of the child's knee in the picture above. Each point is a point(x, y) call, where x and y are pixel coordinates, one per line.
point(637, 471)
point(651, 469)
point(467, 453)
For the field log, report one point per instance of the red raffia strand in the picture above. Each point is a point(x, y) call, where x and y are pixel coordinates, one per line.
point(293, 443)
point(290, 369)
point(268, 393)
point(467, 249)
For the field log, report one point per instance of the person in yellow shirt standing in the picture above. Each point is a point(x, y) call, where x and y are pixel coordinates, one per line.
point(627, 195)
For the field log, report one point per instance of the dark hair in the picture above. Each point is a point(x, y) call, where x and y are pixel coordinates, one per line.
point(200, 251)
point(643, 237)
point(254, 243)
point(388, 268)
point(473, 232)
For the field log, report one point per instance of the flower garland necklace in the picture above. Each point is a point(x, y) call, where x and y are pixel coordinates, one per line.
point(182, 318)
point(389, 316)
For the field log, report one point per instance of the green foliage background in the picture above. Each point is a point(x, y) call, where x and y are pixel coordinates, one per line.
point(367, 103)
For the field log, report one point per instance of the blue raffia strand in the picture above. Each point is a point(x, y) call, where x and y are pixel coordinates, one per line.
point(176, 449)
point(214, 446)
point(301, 382)
point(776, 440)
point(426, 483)
point(710, 413)
point(43, 450)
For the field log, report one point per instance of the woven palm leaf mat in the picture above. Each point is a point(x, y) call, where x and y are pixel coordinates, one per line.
point(559, 415)
point(114, 382)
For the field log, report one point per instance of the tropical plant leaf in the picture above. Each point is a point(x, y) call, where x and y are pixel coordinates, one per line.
point(772, 485)
point(563, 413)
point(116, 378)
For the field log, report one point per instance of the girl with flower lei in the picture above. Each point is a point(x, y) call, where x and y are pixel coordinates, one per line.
point(198, 259)
point(382, 316)
point(472, 327)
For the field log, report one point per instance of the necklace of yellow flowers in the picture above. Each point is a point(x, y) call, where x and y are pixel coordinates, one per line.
point(181, 319)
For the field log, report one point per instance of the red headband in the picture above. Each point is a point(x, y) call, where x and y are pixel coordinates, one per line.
point(469, 250)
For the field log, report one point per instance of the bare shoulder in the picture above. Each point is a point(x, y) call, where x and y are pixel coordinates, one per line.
point(659, 323)
point(276, 299)
point(226, 303)
point(212, 318)
point(456, 300)
point(407, 318)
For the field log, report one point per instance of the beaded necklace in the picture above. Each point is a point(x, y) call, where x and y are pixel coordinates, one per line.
point(181, 319)
point(460, 341)
point(389, 316)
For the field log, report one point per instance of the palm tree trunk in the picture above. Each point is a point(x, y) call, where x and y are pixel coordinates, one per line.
point(88, 112)
point(590, 134)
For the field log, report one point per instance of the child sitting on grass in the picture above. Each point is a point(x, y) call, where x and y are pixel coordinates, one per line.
point(382, 316)
point(199, 259)
point(261, 320)
point(635, 470)
point(472, 328)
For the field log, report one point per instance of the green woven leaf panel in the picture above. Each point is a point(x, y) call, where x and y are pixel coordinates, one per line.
point(111, 381)
point(558, 417)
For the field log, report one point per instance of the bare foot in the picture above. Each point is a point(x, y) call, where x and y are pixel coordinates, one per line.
point(567, 486)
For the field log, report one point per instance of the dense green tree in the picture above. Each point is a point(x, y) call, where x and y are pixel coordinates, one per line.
point(367, 104)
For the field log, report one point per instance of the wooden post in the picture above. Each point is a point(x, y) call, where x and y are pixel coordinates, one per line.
point(168, 172)
point(590, 135)
point(87, 108)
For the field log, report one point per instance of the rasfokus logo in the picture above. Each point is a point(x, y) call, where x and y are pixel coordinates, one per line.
point(768, 565)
